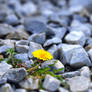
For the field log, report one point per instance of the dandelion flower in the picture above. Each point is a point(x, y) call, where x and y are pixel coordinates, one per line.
point(42, 55)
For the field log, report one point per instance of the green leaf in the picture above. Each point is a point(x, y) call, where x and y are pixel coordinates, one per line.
point(58, 70)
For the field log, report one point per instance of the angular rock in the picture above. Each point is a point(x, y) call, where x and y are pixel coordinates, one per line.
point(85, 71)
point(5, 29)
point(71, 74)
point(58, 32)
point(35, 26)
point(27, 9)
point(77, 26)
point(22, 46)
point(66, 52)
point(54, 40)
point(18, 34)
point(79, 84)
point(50, 83)
point(15, 75)
point(4, 67)
point(20, 90)
point(70, 55)
point(61, 89)
point(12, 19)
point(54, 51)
point(76, 38)
point(7, 42)
point(3, 81)
point(79, 61)
point(30, 84)
point(7, 88)
point(38, 38)
point(33, 46)
point(22, 56)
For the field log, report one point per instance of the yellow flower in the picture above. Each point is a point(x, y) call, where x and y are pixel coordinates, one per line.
point(42, 55)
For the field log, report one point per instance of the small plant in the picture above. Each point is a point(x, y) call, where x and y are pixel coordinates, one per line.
point(16, 63)
point(36, 70)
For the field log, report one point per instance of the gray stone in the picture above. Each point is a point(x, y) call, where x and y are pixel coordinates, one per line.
point(38, 38)
point(20, 90)
point(22, 56)
point(7, 42)
point(4, 48)
point(54, 51)
point(50, 83)
point(71, 74)
point(7, 88)
point(15, 75)
point(66, 51)
point(70, 55)
point(33, 46)
point(79, 61)
point(75, 37)
point(3, 81)
point(22, 46)
point(5, 29)
point(60, 32)
point(61, 89)
point(80, 18)
point(35, 26)
point(85, 71)
point(4, 67)
point(77, 26)
point(12, 19)
point(27, 9)
point(30, 84)
point(22, 42)
point(54, 40)
point(18, 34)
point(79, 84)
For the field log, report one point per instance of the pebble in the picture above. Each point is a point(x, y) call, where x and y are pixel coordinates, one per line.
point(6, 88)
point(4, 67)
point(76, 38)
point(35, 26)
point(50, 83)
point(15, 75)
point(30, 84)
point(79, 84)
point(71, 74)
point(20, 90)
point(85, 71)
point(54, 40)
point(38, 38)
